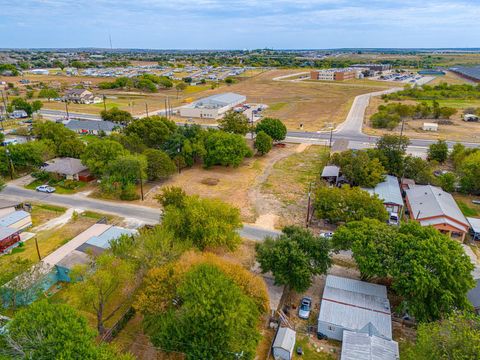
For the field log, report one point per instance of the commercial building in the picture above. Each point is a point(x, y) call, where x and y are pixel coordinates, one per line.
point(81, 96)
point(354, 305)
point(212, 107)
point(468, 72)
point(334, 74)
point(389, 192)
point(431, 206)
point(361, 346)
point(373, 67)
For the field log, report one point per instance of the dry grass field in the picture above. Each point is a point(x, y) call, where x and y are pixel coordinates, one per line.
point(458, 130)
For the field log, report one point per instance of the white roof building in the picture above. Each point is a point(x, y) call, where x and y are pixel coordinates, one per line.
point(212, 107)
point(284, 344)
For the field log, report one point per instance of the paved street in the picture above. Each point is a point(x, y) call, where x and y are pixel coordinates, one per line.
point(143, 214)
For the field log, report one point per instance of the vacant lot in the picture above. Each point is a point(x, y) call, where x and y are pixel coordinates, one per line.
point(458, 130)
point(450, 78)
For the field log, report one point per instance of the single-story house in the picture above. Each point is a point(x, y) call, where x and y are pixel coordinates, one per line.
point(330, 174)
point(361, 346)
point(17, 220)
point(18, 114)
point(431, 206)
point(354, 305)
point(68, 168)
point(474, 296)
point(474, 227)
point(284, 344)
point(81, 96)
point(389, 192)
point(8, 237)
point(92, 127)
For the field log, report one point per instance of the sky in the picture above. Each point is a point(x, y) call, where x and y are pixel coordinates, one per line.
point(240, 24)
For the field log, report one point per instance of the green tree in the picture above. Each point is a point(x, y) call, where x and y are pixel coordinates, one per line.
point(36, 106)
point(159, 164)
point(121, 175)
point(206, 223)
point(438, 151)
point(417, 169)
point(470, 173)
point(263, 142)
point(224, 149)
point(347, 204)
point(209, 318)
point(46, 331)
point(235, 123)
point(48, 93)
point(359, 168)
point(181, 86)
point(457, 337)
point(391, 150)
point(447, 182)
point(117, 116)
point(99, 153)
point(294, 257)
point(65, 140)
point(20, 104)
point(172, 195)
point(73, 147)
point(273, 128)
point(154, 130)
point(104, 287)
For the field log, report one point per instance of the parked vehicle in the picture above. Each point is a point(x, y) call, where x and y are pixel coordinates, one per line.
point(328, 234)
point(305, 307)
point(393, 219)
point(45, 189)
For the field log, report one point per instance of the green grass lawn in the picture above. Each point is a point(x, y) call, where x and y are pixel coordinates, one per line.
point(467, 210)
point(458, 103)
point(108, 104)
point(88, 138)
point(309, 353)
point(42, 213)
point(277, 106)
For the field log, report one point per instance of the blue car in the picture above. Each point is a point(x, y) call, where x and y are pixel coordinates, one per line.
point(305, 307)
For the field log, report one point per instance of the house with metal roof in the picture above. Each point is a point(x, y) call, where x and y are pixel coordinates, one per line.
point(474, 296)
point(212, 107)
point(389, 192)
point(474, 227)
point(284, 344)
point(92, 127)
point(331, 174)
point(68, 168)
point(361, 346)
point(17, 220)
point(354, 305)
point(431, 206)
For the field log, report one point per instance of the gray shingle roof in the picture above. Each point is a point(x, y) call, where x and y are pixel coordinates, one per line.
point(91, 125)
point(429, 201)
point(65, 166)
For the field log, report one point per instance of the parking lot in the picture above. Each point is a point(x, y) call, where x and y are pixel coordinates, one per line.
point(252, 111)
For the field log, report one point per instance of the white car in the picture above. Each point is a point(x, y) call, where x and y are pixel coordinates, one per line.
point(45, 189)
point(327, 235)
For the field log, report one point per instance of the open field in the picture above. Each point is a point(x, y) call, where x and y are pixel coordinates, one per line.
point(459, 130)
point(42, 213)
point(450, 78)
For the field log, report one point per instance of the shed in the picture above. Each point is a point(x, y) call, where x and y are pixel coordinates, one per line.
point(360, 346)
point(470, 117)
point(18, 220)
point(430, 127)
point(330, 174)
point(284, 344)
point(474, 227)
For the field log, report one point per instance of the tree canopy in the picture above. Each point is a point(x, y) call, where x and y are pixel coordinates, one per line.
point(391, 150)
point(438, 151)
point(273, 128)
point(154, 131)
point(117, 116)
point(359, 168)
point(99, 153)
point(263, 142)
point(294, 257)
point(235, 123)
point(159, 164)
point(224, 149)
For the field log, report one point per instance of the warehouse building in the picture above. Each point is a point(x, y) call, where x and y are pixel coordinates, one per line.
point(212, 107)
point(468, 72)
point(354, 305)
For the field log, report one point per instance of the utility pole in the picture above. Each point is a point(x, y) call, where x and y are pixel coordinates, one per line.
point(166, 113)
point(252, 125)
point(307, 223)
point(66, 109)
point(10, 163)
point(331, 135)
point(38, 250)
point(104, 104)
point(141, 180)
point(146, 108)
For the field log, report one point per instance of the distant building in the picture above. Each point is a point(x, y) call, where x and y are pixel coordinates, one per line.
point(354, 305)
point(468, 72)
point(470, 118)
point(68, 168)
point(431, 206)
point(212, 107)
point(361, 346)
point(432, 72)
point(19, 114)
point(81, 96)
point(334, 74)
point(93, 127)
point(373, 67)
point(39, 72)
point(430, 127)
point(284, 344)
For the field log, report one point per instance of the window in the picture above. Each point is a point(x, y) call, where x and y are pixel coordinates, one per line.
point(331, 328)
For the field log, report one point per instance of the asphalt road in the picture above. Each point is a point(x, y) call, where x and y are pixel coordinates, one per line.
point(143, 214)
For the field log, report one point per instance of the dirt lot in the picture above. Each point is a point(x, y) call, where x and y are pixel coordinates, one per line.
point(232, 183)
point(459, 130)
